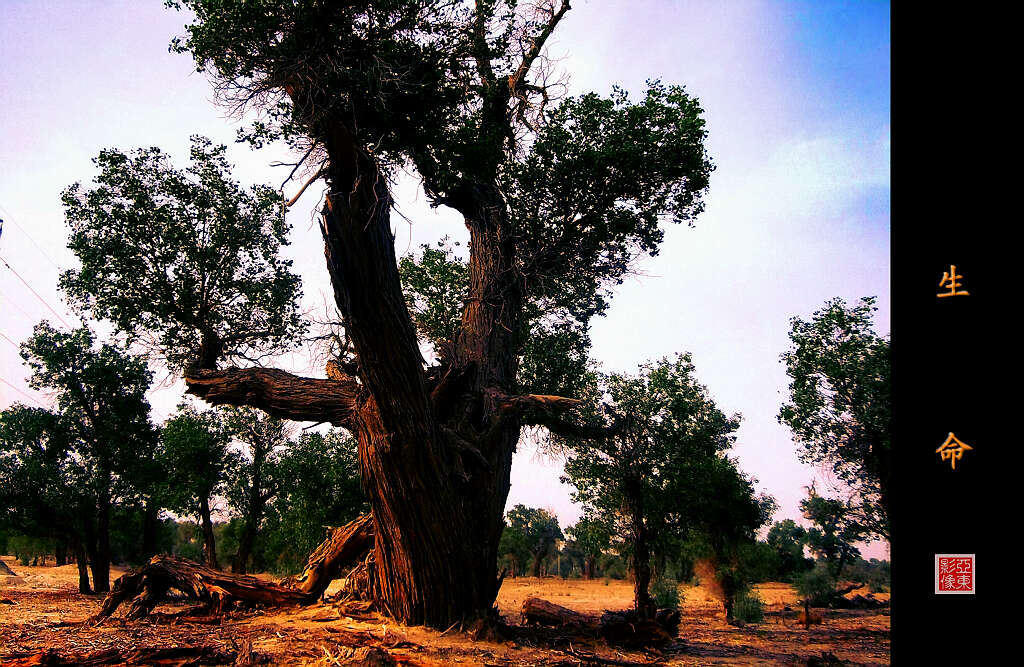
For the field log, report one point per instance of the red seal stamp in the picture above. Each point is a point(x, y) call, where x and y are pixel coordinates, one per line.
point(955, 573)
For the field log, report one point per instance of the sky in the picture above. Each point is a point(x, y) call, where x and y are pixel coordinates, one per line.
point(796, 98)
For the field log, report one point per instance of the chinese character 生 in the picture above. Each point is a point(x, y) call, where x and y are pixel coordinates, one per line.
point(950, 279)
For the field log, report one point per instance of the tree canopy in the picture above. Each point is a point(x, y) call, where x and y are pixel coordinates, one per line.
point(98, 440)
point(187, 261)
point(560, 197)
point(665, 474)
point(839, 408)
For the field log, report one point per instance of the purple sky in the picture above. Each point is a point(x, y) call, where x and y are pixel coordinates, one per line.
point(796, 97)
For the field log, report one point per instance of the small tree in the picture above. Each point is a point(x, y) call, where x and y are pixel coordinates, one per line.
point(664, 474)
point(839, 408)
point(101, 401)
point(834, 533)
point(43, 488)
point(788, 539)
point(195, 456)
point(539, 529)
point(591, 537)
point(317, 486)
point(252, 473)
point(185, 262)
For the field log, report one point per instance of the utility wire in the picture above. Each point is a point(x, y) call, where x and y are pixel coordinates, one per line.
point(20, 310)
point(8, 218)
point(7, 338)
point(34, 400)
point(36, 293)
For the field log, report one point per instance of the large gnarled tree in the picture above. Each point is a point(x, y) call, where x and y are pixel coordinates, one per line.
point(558, 199)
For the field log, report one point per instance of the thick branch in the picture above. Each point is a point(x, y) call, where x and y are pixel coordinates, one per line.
point(279, 393)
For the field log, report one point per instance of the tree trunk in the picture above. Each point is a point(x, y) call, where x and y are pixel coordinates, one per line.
point(588, 567)
point(535, 567)
point(209, 541)
point(150, 525)
point(60, 553)
point(642, 602)
point(83, 568)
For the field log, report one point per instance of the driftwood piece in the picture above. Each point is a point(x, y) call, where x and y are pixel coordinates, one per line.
point(147, 586)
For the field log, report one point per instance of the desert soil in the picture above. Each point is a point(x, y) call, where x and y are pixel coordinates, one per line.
point(45, 611)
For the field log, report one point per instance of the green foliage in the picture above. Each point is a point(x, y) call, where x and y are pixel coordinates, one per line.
point(840, 410)
point(435, 287)
point(666, 477)
point(665, 593)
point(817, 585)
point(532, 535)
point(669, 462)
point(195, 456)
point(187, 256)
point(748, 608)
point(787, 541)
point(318, 486)
point(834, 533)
point(875, 573)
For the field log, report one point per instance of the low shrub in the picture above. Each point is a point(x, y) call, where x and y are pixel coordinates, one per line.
point(748, 608)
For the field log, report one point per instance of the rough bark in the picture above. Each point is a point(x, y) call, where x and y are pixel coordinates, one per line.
point(209, 540)
point(278, 393)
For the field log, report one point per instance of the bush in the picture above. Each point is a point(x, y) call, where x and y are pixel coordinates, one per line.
point(748, 608)
point(665, 593)
point(816, 586)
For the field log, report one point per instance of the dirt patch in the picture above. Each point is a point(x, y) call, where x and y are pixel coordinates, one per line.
point(48, 613)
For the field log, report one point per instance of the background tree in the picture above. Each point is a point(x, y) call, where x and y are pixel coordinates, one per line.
point(840, 411)
point(43, 489)
point(252, 473)
point(558, 201)
point(539, 529)
point(788, 539)
point(200, 252)
point(195, 456)
point(317, 486)
point(591, 536)
point(101, 401)
point(834, 532)
point(665, 474)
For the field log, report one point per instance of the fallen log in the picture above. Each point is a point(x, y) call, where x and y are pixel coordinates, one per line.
point(148, 586)
point(542, 612)
point(156, 656)
point(624, 628)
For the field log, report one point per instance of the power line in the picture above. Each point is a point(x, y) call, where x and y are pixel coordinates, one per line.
point(5, 336)
point(34, 400)
point(8, 218)
point(36, 293)
point(20, 310)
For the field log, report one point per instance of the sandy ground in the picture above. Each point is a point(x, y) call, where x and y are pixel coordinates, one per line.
point(47, 612)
